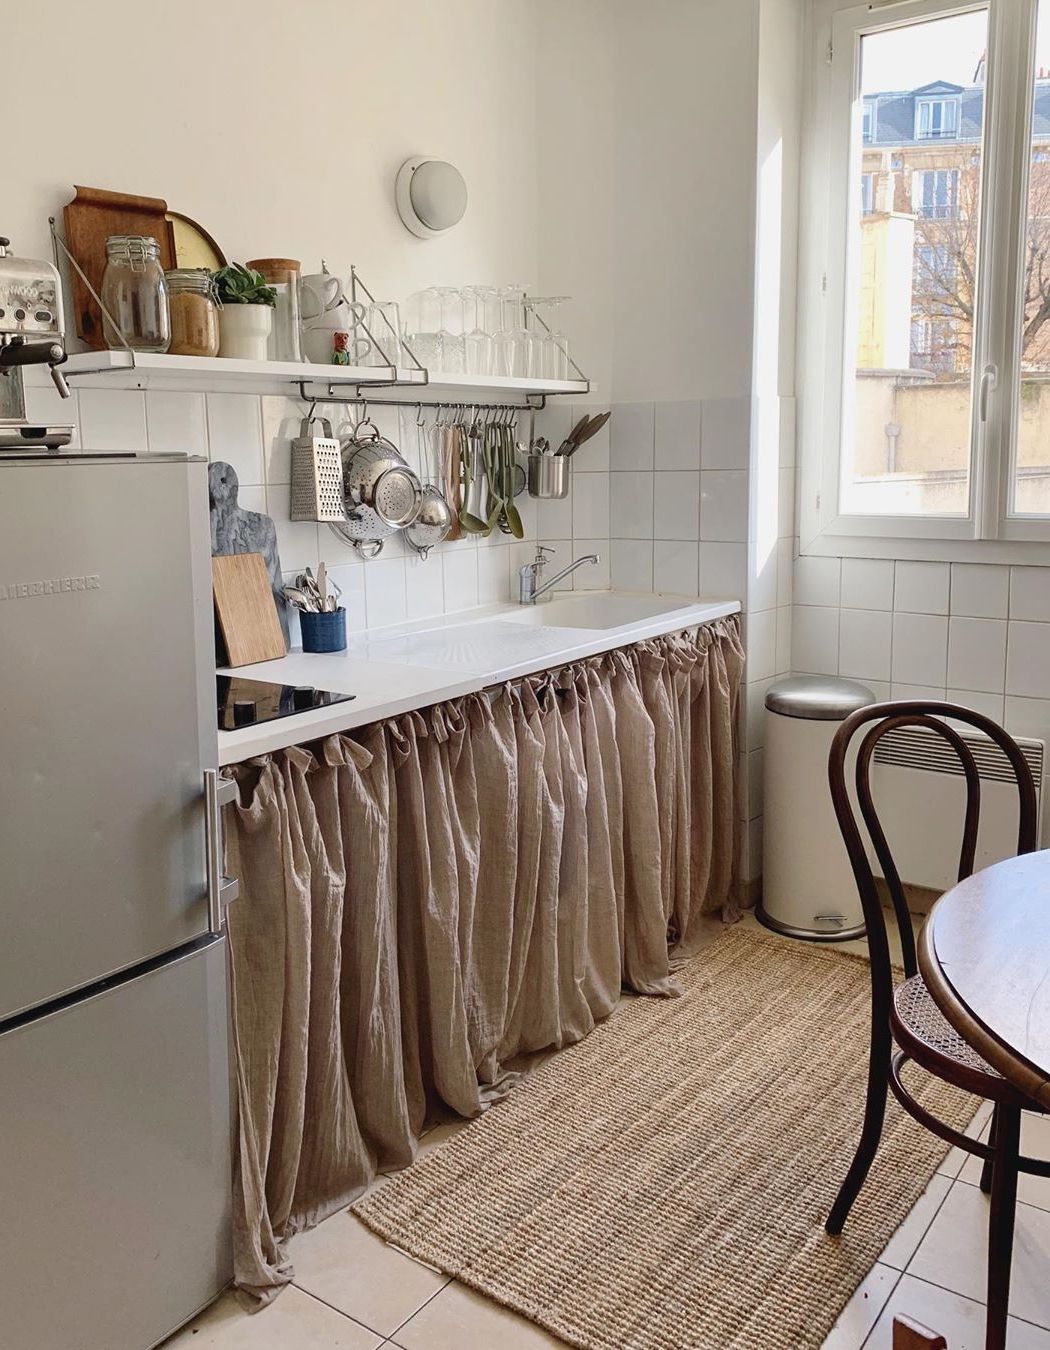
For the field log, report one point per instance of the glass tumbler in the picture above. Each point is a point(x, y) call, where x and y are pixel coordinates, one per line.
point(285, 343)
point(383, 320)
point(423, 327)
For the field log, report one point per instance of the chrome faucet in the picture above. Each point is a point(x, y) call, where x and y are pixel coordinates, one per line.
point(528, 591)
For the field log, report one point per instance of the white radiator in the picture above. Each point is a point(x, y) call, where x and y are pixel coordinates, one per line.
point(920, 796)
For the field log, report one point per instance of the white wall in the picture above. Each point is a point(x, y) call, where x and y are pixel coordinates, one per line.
point(672, 163)
point(615, 151)
point(772, 443)
point(280, 128)
point(647, 122)
point(647, 118)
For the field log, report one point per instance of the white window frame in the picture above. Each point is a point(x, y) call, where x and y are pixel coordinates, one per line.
point(986, 532)
point(869, 113)
point(917, 191)
point(944, 101)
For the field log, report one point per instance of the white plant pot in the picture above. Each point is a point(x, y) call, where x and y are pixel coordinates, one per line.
point(244, 331)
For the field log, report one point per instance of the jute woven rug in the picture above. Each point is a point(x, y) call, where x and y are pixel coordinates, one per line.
point(662, 1185)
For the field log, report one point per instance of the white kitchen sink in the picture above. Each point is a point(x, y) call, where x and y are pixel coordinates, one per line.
point(595, 609)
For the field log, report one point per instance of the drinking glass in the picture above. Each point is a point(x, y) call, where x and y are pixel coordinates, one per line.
point(383, 319)
point(537, 347)
point(453, 347)
point(423, 327)
point(512, 341)
point(477, 339)
point(552, 354)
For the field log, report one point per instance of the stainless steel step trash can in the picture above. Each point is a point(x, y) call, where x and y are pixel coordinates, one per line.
point(808, 890)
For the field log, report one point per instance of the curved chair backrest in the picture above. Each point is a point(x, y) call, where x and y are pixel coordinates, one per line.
point(888, 717)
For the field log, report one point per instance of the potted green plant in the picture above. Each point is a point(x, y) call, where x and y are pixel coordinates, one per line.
point(246, 316)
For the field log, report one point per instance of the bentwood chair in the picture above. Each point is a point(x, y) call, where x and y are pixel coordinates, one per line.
point(906, 1024)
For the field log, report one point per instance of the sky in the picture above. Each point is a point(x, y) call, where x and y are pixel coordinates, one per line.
point(938, 49)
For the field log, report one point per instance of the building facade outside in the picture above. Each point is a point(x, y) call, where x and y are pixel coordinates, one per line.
point(919, 225)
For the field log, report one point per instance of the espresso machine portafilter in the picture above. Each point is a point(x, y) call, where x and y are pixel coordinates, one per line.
point(31, 333)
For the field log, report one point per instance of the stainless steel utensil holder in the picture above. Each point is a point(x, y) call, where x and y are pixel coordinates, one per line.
point(548, 476)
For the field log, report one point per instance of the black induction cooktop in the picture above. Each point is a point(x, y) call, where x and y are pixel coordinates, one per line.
point(244, 703)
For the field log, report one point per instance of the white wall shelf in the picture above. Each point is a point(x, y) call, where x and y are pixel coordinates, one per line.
point(216, 374)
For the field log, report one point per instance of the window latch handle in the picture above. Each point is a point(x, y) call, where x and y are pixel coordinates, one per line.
point(988, 380)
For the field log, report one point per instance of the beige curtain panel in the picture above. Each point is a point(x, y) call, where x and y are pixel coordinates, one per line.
point(425, 898)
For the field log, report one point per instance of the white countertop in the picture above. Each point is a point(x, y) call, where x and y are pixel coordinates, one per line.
point(397, 669)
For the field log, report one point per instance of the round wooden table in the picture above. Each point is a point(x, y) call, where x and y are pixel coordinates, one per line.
point(985, 956)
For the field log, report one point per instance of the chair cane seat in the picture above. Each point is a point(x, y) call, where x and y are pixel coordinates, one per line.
point(920, 1016)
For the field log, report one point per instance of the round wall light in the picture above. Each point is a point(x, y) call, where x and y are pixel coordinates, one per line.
point(431, 195)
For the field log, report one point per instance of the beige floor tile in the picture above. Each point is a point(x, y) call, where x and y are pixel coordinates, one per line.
point(293, 1321)
point(905, 1241)
point(1035, 1142)
point(954, 1251)
point(441, 1134)
point(459, 1319)
point(353, 1269)
point(959, 1320)
point(861, 1312)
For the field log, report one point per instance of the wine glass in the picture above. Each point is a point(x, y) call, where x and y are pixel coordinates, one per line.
point(548, 347)
point(451, 330)
point(477, 339)
point(512, 341)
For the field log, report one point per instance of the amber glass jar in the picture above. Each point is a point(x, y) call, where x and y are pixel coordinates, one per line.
point(194, 312)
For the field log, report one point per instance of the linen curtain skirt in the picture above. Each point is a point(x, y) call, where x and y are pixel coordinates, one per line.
point(425, 898)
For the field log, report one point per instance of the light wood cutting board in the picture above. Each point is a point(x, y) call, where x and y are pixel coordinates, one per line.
point(245, 605)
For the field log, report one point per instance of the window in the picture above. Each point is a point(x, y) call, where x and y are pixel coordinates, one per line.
point(868, 128)
point(933, 345)
point(925, 355)
point(936, 193)
point(936, 118)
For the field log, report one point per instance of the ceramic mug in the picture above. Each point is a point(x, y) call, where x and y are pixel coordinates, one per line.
point(319, 293)
point(321, 344)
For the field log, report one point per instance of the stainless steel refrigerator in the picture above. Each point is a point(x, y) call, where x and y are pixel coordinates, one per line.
point(115, 1126)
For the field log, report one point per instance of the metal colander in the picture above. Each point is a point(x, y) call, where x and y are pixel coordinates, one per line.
point(381, 491)
point(396, 497)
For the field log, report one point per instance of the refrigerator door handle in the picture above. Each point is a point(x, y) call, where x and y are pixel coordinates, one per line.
point(218, 792)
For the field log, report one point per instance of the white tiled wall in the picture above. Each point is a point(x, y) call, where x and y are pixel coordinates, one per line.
point(678, 496)
point(701, 502)
point(253, 434)
point(976, 634)
point(579, 523)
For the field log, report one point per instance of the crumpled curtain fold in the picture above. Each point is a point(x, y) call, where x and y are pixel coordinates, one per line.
point(425, 898)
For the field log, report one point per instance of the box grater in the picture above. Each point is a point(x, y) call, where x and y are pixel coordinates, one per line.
point(317, 474)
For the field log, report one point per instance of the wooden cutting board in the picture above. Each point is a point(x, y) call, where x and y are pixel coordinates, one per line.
point(90, 218)
point(234, 530)
point(246, 610)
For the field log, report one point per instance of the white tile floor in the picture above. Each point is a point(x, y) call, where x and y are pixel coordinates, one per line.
point(354, 1292)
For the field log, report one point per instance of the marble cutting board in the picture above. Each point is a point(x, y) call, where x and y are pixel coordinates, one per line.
point(234, 530)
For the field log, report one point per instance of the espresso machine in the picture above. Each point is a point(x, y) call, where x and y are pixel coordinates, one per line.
point(31, 333)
